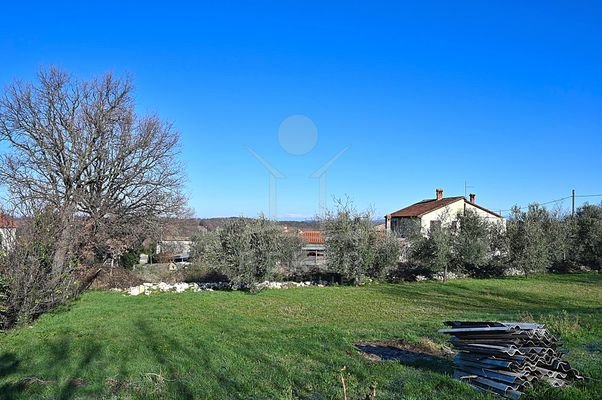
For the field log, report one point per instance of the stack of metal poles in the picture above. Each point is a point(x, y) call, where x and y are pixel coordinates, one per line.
point(506, 358)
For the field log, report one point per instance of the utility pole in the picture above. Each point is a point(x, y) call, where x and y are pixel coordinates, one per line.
point(573, 206)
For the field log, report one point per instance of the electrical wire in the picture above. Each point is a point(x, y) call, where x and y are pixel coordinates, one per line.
point(552, 201)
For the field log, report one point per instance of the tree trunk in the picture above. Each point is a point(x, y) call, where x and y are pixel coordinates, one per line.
point(61, 251)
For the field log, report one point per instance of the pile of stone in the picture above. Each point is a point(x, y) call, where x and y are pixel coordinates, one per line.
point(181, 287)
point(288, 285)
point(506, 358)
point(149, 288)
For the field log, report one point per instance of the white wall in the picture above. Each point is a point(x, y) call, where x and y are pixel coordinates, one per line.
point(484, 214)
point(445, 214)
point(449, 213)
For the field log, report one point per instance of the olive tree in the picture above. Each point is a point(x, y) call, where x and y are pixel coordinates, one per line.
point(471, 243)
point(528, 241)
point(588, 235)
point(354, 249)
point(246, 250)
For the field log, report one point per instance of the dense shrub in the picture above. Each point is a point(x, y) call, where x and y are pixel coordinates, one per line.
point(292, 256)
point(528, 241)
point(32, 286)
point(130, 258)
point(246, 251)
point(354, 249)
point(471, 244)
point(434, 252)
point(588, 236)
point(386, 256)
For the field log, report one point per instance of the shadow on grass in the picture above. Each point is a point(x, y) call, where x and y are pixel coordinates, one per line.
point(162, 346)
point(9, 366)
point(59, 369)
point(461, 296)
point(414, 359)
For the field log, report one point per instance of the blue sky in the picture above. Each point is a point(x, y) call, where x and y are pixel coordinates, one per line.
point(507, 96)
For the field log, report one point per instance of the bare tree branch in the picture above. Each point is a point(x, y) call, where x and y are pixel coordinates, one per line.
point(78, 148)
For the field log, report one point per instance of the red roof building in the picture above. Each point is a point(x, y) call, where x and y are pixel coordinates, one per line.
point(427, 212)
point(312, 237)
point(6, 222)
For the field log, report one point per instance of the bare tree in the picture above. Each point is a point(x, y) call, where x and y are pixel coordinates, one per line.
point(79, 148)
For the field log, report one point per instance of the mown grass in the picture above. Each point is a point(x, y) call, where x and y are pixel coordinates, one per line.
point(286, 344)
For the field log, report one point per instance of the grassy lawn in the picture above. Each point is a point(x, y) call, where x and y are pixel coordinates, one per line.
point(286, 344)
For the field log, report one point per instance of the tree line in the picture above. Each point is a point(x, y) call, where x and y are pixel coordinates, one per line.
point(534, 240)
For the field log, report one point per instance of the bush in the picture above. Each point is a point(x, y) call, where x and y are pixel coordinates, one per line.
point(471, 244)
point(354, 249)
point(433, 252)
point(386, 258)
point(588, 236)
point(32, 287)
point(247, 251)
point(528, 240)
point(129, 259)
point(565, 266)
point(292, 256)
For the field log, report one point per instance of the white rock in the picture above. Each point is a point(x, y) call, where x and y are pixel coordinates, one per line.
point(181, 287)
point(136, 290)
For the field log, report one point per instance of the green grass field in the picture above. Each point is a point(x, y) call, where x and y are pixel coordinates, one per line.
point(286, 344)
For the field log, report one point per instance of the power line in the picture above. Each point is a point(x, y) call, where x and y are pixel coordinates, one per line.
point(541, 204)
point(551, 201)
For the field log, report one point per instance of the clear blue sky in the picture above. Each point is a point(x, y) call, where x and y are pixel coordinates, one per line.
point(507, 97)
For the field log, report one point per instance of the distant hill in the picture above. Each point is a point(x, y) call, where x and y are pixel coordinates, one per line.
point(190, 226)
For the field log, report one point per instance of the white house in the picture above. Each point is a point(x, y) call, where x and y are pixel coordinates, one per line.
point(428, 212)
point(8, 232)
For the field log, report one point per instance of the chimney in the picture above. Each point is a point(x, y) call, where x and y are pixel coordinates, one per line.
point(472, 198)
point(439, 194)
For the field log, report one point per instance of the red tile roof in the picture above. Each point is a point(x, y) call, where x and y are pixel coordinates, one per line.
point(424, 207)
point(312, 237)
point(6, 221)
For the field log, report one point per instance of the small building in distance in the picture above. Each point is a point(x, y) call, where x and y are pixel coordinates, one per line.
point(8, 232)
point(429, 212)
point(314, 248)
point(173, 248)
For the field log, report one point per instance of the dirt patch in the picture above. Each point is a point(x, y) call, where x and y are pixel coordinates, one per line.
point(424, 347)
point(422, 354)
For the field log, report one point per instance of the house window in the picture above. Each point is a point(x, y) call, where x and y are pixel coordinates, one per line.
point(405, 227)
point(435, 225)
